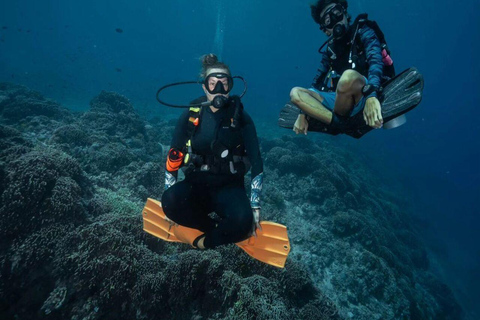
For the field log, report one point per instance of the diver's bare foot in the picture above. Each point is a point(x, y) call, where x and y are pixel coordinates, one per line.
point(200, 243)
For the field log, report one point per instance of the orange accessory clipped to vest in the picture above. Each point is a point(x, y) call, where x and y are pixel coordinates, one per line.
point(193, 120)
point(174, 160)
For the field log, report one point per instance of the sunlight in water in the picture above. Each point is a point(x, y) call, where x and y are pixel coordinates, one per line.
point(219, 32)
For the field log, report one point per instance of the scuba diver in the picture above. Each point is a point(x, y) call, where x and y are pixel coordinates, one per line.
point(215, 143)
point(355, 88)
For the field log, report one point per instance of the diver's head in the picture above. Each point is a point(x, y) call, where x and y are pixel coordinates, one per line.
point(217, 80)
point(332, 16)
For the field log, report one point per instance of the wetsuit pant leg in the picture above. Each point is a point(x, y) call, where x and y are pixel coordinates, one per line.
point(188, 205)
point(231, 204)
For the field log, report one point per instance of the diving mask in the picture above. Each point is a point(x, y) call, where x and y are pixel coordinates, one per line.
point(218, 82)
point(331, 17)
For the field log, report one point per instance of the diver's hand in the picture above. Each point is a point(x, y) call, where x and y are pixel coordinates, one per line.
point(256, 221)
point(372, 114)
point(301, 125)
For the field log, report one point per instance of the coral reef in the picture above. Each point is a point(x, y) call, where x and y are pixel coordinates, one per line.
point(72, 187)
point(18, 102)
point(361, 249)
point(39, 188)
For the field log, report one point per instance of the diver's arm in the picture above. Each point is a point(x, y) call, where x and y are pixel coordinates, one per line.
point(372, 113)
point(374, 57)
point(256, 191)
point(253, 152)
point(176, 153)
point(322, 72)
point(170, 179)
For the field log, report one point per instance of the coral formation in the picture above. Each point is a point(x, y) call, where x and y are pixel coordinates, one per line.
point(18, 102)
point(41, 187)
point(72, 245)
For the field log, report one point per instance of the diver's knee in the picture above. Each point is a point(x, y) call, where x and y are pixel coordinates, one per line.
point(295, 94)
point(244, 223)
point(349, 81)
point(295, 91)
point(241, 221)
point(350, 75)
point(166, 197)
point(168, 203)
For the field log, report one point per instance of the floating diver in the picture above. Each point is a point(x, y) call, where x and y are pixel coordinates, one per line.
point(215, 143)
point(355, 89)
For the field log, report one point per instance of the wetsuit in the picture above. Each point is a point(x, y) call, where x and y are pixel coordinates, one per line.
point(367, 61)
point(189, 202)
point(366, 58)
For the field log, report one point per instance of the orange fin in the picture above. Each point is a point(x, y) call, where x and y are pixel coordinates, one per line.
point(271, 245)
point(155, 221)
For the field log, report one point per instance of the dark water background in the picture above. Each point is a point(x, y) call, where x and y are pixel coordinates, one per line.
point(70, 50)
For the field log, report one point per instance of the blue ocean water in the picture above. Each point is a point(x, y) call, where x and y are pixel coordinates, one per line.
point(71, 50)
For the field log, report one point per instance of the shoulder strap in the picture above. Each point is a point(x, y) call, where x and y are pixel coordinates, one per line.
point(194, 116)
point(193, 120)
point(378, 31)
point(359, 22)
point(361, 18)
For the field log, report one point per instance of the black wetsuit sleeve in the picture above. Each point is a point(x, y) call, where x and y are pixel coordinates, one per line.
point(374, 57)
point(253, 152)
point(252, 147)
point(178, 143)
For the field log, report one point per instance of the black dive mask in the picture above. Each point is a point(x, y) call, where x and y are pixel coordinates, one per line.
point(331, 17)
point(223, 85)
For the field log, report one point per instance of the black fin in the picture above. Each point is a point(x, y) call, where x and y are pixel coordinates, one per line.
point(401, 94)
point(288, 115)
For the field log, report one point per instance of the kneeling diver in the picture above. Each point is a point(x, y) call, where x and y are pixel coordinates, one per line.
point(215, 142)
